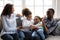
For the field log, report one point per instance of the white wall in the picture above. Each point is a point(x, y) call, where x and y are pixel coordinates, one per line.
point(58, 8)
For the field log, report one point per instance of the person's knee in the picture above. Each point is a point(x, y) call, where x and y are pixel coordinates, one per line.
point(34, 35)
point(21, 34)
point(7, 37)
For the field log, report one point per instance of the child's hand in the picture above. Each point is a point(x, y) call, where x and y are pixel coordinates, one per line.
point(18, 28)
point(31, 27)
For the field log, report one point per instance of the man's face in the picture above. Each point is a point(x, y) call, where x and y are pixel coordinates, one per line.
point(50, 14)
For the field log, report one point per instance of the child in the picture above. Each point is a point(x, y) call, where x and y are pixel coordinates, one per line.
point(26, 23)
point(37, 27)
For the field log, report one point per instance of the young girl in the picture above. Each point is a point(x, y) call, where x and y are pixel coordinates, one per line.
point(37, 28)
point(26, 23)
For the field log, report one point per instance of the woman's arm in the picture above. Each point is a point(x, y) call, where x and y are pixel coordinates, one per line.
point(5, 24)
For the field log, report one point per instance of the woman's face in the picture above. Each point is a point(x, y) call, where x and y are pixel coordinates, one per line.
point(36, 19)
point(29, 17)
point(12, 9)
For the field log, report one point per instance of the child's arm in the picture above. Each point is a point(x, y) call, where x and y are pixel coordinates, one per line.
point(38, 25)
point(35, 26)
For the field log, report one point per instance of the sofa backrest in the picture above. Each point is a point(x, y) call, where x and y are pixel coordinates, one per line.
point(19, 21)
point(1, 26)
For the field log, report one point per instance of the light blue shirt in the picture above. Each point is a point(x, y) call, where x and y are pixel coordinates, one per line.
point(9, 24)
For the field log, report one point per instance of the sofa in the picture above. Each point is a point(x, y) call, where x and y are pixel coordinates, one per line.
point(19, 23)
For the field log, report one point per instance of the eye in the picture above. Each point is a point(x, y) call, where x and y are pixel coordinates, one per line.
point(35, 19)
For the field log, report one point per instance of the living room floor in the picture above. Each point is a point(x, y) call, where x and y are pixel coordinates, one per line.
point(50, 38)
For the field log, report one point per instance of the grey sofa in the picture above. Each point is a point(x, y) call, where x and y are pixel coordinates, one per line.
point(0, 24)
point(19, 23)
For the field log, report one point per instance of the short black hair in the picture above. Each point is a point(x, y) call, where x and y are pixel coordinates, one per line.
point(52, 10)
point(26, 12)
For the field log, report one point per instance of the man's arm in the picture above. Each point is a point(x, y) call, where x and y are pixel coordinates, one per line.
point(53, 27)
point(43, 23)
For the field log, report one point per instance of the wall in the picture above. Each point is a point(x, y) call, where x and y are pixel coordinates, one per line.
point(58, 8)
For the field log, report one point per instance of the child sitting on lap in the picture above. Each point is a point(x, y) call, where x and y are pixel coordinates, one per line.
point(37, 28)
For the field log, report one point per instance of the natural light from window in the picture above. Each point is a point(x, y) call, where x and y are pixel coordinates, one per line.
point(37, 7)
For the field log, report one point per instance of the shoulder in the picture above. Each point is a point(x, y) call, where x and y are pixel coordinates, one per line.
point(3, 17)
point(54, 20)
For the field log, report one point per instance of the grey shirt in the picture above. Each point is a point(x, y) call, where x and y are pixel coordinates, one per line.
point(50, 24)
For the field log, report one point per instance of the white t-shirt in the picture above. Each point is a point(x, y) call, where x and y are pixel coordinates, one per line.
point(26, 24)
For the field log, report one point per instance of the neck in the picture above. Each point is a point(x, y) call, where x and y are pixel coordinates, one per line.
point(49, 19)
point(28, 19)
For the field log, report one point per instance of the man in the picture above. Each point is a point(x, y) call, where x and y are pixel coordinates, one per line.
point(50, 23)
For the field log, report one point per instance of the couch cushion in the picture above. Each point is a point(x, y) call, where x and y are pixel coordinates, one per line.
point(19, 21)
point(0, 24)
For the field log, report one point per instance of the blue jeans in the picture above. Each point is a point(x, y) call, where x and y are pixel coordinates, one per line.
point(35, 36)
point(21, 35)
point(28, 35)
point(39, 32)
point(10, 37)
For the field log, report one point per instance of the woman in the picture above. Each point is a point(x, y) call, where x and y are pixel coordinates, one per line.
point(9, 31)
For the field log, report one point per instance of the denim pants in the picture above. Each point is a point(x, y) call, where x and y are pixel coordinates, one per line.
point(21, 34)
point(10, 37)
point(40, 33)
point(28, 35)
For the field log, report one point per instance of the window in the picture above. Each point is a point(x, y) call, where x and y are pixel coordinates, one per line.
point(1, 6)
point(37, 7)
point(18, 6)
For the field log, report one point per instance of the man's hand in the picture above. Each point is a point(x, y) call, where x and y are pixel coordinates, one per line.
point(43, 23)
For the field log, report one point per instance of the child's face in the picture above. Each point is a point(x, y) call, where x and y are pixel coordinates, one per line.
point(29, 17)
point(36, 19)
